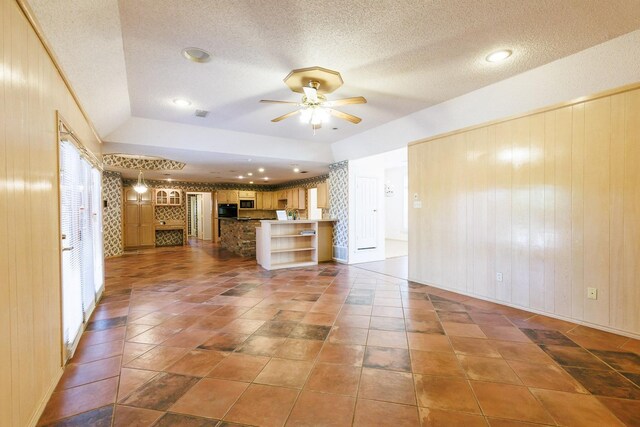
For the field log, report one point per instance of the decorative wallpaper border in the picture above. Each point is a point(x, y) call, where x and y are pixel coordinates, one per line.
point(208, 187)
point(119, 161)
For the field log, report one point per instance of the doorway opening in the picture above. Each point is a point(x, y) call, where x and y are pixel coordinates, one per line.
point(379, 211)
point(396, 198)
point(199, 215)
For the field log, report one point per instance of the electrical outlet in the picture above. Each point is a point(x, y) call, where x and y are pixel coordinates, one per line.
point(592, 293)
point(499, 277)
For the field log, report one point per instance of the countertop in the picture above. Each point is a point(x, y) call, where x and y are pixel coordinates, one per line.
point(299, 221)
point(247, 219)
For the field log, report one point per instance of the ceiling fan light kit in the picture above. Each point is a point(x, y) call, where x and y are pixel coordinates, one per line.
point(314, 83)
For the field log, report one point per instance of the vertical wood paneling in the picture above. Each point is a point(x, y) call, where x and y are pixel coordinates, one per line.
point(631, 285)
point(550, 200)
point(470, 170)
point(491, 212)
point(616, 217)
point(537, 215)
point(5, 306)
point(520, 207)
point(549, 210)
point(477, 144)
point(577, 213)
point(597, 135)
point(31, 90)
point(503, 209)
point(563, 263)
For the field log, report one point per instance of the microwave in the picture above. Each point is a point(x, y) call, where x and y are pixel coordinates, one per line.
point(247, 204)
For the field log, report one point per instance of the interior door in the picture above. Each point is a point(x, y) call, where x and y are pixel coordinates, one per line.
point(366, 209)
point(70, 185)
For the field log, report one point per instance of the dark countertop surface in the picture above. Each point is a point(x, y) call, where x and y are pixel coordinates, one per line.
point(245, 219)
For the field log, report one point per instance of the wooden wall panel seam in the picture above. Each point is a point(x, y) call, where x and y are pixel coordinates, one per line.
point(566, 219)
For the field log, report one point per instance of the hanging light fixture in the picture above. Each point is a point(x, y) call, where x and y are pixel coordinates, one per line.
point(140, 186)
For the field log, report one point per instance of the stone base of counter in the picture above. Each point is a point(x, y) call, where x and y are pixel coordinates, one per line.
point(239, 237)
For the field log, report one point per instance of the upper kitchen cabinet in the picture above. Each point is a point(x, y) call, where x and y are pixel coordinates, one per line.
point(168, 197)
point(296, 198)
point(247, 194)
point(228, 196)
point(323, 195)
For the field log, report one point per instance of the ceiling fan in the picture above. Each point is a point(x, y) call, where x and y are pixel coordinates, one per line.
point(314, 83)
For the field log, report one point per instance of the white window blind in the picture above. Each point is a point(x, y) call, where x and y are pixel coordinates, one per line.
point(81, 224)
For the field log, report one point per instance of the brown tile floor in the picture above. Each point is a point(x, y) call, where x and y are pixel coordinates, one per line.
point(195, 337)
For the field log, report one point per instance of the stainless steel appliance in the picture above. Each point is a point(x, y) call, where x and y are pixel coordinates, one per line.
point(247, 203)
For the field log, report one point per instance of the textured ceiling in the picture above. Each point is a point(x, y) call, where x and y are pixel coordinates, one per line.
point(402, 55)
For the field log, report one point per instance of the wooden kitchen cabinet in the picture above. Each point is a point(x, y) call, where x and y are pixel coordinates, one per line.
point(247, 194)
point(138, 219)
point(228, 196)
point(168, 197)
point(323, 195)
point(259, 200)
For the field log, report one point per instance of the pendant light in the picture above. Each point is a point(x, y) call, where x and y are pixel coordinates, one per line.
point(140, 186)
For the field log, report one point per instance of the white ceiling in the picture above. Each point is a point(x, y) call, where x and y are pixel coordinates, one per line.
point(403, 56)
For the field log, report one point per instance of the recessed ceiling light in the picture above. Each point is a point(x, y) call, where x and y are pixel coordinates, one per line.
point(196, 54)
point(266, 178)
point(250, 182)
point(499, 55)
point(260, 169)
point(241, 177)
point(169, 179)
point(181, 102)
point(296, 170)
point(250, 173)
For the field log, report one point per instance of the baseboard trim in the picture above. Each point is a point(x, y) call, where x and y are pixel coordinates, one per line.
point(534, 311)
point(43, 403)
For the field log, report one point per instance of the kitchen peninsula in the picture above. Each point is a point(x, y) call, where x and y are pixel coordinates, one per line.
point(238, 235)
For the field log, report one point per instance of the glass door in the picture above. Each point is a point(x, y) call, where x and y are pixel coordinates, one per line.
point(82, 256)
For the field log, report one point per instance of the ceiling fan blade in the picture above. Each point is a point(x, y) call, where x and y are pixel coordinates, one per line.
point(346, 101)
point(349, 117)
point(311, 93)
point(270, 101)
point(285, 116)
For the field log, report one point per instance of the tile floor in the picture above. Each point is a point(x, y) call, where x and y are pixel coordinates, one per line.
point(195, 337)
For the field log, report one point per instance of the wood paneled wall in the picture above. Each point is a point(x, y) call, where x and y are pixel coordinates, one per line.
point(551, 200)
point(31, 90)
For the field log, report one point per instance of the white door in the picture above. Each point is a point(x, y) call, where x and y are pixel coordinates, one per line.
point(366, 209)
point(199, 217)
point(70, 216)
